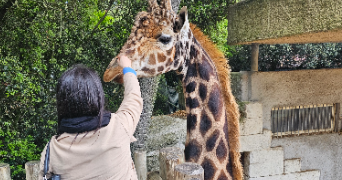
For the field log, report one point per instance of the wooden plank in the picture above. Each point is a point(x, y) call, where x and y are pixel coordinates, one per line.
point(5, 171)
point(188, 170)
point(169, 157)
point(32, 170)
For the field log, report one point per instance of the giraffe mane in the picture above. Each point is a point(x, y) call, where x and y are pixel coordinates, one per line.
point(223, 72)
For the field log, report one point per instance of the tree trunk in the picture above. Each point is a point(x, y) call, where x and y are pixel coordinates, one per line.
point(148, 88)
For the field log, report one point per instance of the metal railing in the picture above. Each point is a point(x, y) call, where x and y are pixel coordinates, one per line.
point(296, 120)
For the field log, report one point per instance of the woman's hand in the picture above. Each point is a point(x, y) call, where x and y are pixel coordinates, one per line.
point(124, 61)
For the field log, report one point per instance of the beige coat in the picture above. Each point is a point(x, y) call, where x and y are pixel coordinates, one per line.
point(105, 154)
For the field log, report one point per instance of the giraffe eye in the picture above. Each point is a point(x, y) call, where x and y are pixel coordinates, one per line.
point(143, 19)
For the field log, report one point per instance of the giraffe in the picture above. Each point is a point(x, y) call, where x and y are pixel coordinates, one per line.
point(161, 41)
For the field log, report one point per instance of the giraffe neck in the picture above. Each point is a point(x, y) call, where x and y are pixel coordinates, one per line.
point(207, 129)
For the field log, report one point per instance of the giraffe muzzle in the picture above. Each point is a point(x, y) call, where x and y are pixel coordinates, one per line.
point(113, 72)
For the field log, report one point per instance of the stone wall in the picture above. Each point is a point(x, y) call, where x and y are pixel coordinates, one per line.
point(293, 88)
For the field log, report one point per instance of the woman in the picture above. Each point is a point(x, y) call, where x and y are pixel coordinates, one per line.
point(90, 143)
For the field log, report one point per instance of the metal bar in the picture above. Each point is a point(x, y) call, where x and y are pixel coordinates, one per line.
point(316, 119)
point(336, 118)
point(273, 117)
point(286, 130)
point(332, 118)
point(292, 112)
point(277, 121)
point(281, 122)
point(308, 120)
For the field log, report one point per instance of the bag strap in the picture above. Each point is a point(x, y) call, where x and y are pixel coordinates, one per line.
point(47, 159)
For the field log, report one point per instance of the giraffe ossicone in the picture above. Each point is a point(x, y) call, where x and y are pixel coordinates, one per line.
point(161, 41)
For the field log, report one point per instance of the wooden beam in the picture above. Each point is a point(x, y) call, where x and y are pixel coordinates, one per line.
point(169, 157)
point(255, 57)
point(188, 171)
point(32, 170)
point(5, 171)
point(140, 164)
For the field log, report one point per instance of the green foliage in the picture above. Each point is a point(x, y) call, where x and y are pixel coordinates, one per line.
point(289, 57)
point(39, 40)
point(219, 37)
point(206, 13)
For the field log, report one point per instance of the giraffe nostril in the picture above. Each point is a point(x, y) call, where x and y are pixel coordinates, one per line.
point(165, 39)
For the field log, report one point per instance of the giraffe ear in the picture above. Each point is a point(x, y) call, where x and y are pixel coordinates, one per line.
point(181, 19)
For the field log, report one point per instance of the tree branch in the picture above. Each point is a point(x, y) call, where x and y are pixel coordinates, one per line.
point(4, 9)
point(103, 17)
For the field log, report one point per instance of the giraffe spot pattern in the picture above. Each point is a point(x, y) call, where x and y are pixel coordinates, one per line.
point(149, 71)
point(187, 63)
point(229, 167)
point(225, 128)
point(180, 70)
point(169, 62)
point(193, 52)
point(152, 59)
point(192, 71)
point(192, 103)
point(191, 87)
point(177, 51)
point(169, 51)
point(221, 151)
point(210, 144)
point(160, 68)
point(205, 69)
point(130, 52)
point(161, 57)
point(209, 169)
point(203, 91)
point(222, 176)
point(205, 124)
point(192, 151)
point(176, 63)
point(191, 122)
point(139, 51)
point(215, 102)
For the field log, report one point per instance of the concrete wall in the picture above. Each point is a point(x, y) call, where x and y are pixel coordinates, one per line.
point(322, 152)
point(293, 88)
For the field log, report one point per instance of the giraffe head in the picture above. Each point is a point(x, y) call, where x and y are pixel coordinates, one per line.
point(151, 44)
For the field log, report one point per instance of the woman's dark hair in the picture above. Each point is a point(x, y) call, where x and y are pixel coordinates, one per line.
point(79, 93)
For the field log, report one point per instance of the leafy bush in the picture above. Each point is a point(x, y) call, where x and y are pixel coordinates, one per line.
point(289, 57)
point(39, 41)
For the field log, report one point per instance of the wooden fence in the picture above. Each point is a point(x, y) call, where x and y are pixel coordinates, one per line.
point(171, 159)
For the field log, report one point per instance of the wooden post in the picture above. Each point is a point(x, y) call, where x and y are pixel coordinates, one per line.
point(187, 171)
point(5, 171)
point(169, 157)
point(32, 170)
point(140, 164)
point(255, 57)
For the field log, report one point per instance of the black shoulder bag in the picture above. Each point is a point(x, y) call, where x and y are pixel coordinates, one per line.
point(46, 165)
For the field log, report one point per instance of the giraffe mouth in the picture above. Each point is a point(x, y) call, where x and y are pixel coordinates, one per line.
point(113, 72)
